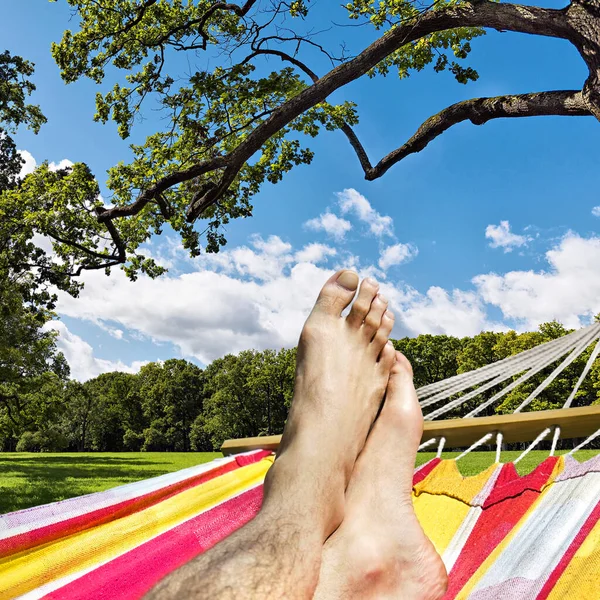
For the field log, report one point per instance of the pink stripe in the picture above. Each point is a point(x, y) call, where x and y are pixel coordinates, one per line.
point(134, 573)
point(568, 555)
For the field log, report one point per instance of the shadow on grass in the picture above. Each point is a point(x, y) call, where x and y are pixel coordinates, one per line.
point(28, 480)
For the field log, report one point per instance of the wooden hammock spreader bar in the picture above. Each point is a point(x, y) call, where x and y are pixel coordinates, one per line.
point(459, 433)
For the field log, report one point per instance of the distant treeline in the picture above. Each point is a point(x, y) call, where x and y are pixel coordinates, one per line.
point(177, 406)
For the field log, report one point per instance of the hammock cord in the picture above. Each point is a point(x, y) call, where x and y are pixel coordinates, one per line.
point(478, 443)
point(585, 442)
point(555, 440)
point(441, 447)
point(526, 365)
point(499, 438)
point(426, 444)
point(533, 444)
point(586, 370)
point(457, 382)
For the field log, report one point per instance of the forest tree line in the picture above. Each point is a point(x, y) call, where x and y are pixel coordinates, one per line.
point(177, 406)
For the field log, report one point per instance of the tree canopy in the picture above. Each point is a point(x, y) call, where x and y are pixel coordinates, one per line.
point(237, 122)
point(176, 406)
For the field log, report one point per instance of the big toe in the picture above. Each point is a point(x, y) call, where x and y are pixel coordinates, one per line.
point(337, 293)
point(403, 409)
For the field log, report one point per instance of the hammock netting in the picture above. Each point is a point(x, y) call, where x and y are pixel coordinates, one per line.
point(500, 535)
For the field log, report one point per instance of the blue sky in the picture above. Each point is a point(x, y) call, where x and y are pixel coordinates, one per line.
point(488, 227)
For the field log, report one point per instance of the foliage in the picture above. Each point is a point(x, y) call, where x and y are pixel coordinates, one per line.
point(433, 357)
point(171, 395)
point(32, 372)
point(248, 394)
point(15, 87)
point(46, 440)
point(176, 406)
point(208, 114)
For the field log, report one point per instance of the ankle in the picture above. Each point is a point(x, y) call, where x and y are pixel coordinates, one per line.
point(293, 493)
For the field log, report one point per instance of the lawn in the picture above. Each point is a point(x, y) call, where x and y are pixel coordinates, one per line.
point(28, 479)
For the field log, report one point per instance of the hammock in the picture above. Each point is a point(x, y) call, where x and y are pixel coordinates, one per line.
point(500, 535)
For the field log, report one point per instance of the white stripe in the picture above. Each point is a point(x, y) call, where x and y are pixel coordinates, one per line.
point(459, 539)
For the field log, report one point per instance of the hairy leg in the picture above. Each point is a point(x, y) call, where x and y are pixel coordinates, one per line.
point(343, 367)
point(380, 550)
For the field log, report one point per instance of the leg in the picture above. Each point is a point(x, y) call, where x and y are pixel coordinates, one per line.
point(380, 550)
point(343, 368)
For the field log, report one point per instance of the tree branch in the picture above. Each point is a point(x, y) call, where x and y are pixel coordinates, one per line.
point(503, 17)
point(240, 11)
point(348, 131)
point(480, 111)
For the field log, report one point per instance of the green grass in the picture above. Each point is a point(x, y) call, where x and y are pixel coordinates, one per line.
point(28, 479)
point(476, 462)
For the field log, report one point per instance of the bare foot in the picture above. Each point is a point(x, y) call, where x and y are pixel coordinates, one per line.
point(343, 367)
point(380, 550)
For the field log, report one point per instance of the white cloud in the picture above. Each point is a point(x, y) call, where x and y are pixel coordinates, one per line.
point(258, 295)
point(30, 163)
point(501, 236)
point(116, 333)
point(331, 224)
point(351, 201)
point(396, 255)
point(569, 291)
point(80, 356)
point(255, 296)
point(314, 253)
point(63, 164)
point(456, 313)
point(596, 211)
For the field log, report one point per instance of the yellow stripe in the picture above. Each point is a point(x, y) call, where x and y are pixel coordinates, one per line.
point(446, 479)
point(440, 517)
point(443, 500)
point(105, 542)
point(580, 578)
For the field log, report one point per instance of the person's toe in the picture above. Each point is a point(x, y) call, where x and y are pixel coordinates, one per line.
point(387, 358)
point(361, 306)
point(383, 333)
point(372, 321)
point(402, 410)
point(337, 293)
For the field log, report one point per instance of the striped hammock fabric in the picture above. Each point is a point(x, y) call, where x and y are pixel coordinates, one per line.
point(500, 535)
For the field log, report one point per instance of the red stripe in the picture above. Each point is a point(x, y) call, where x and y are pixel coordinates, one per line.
point(566, 559)
point(510, 485)
point(134, 573)
point(425, 470)
point(49, 533)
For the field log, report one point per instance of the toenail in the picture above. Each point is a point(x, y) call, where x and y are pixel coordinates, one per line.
point(389, 314)
point(348, 280)
point(371, 281)
point(382, 298)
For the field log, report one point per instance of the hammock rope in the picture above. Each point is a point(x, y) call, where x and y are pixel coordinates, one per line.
point(533, 444)
point(528, 364)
